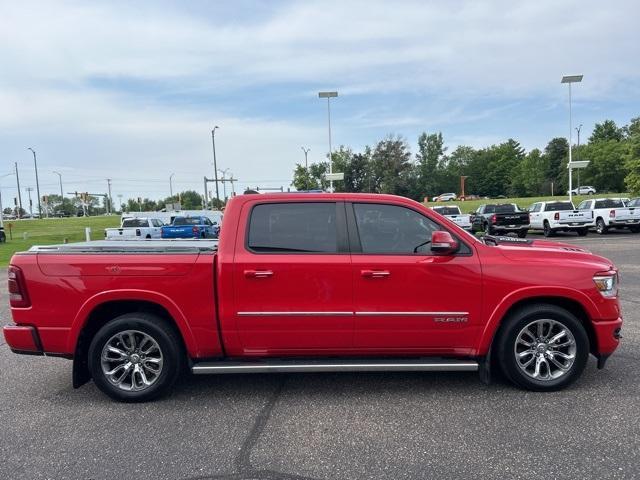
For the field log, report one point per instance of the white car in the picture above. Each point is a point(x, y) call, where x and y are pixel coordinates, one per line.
point(560, 216)
point(134, 228)
point(611, 213)
point(454, 214)
point(445, 197)
point(584, 190)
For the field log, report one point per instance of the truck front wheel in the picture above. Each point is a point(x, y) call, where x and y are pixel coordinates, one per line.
point(135, 357)
point(542, 347)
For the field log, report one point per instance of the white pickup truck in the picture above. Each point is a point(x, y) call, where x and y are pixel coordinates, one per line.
point(559, 216)
point(135, 228)
point(611, 213)
point(453, 213)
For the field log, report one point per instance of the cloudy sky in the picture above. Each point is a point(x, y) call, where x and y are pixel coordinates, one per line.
point(130, 90)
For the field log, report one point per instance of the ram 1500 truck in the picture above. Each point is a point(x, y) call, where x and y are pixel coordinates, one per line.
point(190, 227)
point(611, 213)
point(453, 213)
point(312, 283)
point(500, 218)
point(559, 216)
point(135, 228)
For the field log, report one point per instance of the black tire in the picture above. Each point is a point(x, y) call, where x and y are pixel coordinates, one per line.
point(547, 231)
point(169, 345)
point(148, 236)
point(506, 346)
point(601, 228)
point(522, 233)
point(583, 231)
point(635, 228)
point(487, 229)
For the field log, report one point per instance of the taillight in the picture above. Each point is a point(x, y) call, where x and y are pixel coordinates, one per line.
point(556, 216)
point(138, 232)
point(612, 214)
point(494, 218)
point(17, 290)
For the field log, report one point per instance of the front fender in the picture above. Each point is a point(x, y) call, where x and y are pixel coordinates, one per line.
point(530, 293)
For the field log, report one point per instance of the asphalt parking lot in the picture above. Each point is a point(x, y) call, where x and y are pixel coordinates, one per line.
point(328, 426)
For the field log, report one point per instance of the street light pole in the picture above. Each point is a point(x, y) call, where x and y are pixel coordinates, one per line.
point(215, 165)
point(60, 179)
point(110, 199)
point(306, 165)
point(578, 128)
point(35, 163)
point(171, 186)
point(19, 215)
point(570, 79)
point(329, 96)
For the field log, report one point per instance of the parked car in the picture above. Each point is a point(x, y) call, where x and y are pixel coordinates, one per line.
point(135, 228)
point(611, 213)
point(445, 197)
point(559, 216)
point(190, 227)
point(315, 282)
point(454, 214)
point(584, 190)
point(500, 218)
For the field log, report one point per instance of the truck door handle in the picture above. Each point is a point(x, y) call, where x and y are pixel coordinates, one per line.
point(258, 273)
point(375, 273)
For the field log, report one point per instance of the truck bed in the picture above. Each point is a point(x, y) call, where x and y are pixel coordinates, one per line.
point(131, 246)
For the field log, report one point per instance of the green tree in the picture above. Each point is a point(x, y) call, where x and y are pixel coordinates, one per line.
point(606, 170)
point(632, 157)
point(430, 153)
point(529, 177)
point(390, 166)
point(606, 131)
point(556, 151)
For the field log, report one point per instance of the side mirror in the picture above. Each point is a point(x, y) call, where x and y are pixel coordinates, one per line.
point(442, 243)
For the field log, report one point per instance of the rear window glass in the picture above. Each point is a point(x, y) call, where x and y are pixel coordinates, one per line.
point(186, 221)
point(558, 206)
point(135, 222)
point(609, 203)
point(447, 210)
point(294, 228)
point(502, 208)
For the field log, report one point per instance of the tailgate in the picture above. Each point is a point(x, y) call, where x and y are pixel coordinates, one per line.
point(121, 232)
point(461, 220)
point(512, 219)
point(576, 217)
point(631, 215)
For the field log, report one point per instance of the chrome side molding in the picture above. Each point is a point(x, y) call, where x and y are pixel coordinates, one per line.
point(336, 365)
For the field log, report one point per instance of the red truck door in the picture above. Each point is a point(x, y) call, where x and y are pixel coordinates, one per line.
point(405, 301)
point(292, 280)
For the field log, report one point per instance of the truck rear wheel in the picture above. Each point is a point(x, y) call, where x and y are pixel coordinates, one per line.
point(601, 228)
point(547, 230)
point(543, 348)
point(135, 357)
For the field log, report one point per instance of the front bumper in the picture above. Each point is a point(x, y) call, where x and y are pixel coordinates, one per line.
point(22, 339)
point(607, 335)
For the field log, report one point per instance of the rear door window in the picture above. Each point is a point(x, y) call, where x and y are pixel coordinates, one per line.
point(293, 228)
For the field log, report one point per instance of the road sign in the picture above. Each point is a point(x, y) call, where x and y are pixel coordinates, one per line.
point(334, 176)
point(578, 164)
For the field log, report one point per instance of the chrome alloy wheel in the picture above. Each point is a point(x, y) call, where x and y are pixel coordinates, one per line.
point(545, 350)
point(131, 360)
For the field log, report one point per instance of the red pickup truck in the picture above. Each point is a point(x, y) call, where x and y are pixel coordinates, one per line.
point(316, 282)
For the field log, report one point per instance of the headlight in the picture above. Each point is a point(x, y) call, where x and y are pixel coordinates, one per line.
point(607, 285)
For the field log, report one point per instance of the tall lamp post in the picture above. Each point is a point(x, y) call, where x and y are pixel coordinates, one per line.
point(35, 163)
point(569, 79)
point(329, 96)
point(215, 165)
point(306, 165)
point(578, 128)
point(60, 179)
point(171, 186)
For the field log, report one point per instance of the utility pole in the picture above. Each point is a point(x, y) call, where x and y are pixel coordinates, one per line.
point(120, 201)
point(171, 186)
point(35, 164)
point(215, 165)
point(30, 189)
point(329, 96)
point(110, 202)
point(19, 194)
point(306, 165)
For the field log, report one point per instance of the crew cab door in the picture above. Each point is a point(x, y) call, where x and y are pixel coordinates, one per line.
point(292, 279)
point(535, 215)
point(406, 299)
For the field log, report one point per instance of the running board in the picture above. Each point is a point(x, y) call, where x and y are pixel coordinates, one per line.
point(333, 365)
